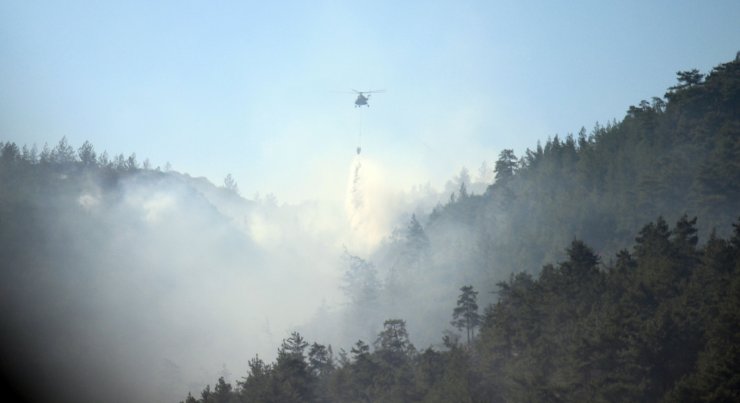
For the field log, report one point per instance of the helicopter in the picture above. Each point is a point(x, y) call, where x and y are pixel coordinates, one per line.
point(362, 98)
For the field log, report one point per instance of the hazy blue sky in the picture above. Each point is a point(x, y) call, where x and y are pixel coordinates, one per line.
point(250, 88)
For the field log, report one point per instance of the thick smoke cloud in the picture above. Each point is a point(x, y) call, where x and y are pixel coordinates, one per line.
point(152, 284)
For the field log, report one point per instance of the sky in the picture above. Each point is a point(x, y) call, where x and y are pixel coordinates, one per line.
point(260, 89)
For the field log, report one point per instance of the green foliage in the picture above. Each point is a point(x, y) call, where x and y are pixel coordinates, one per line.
point(505, 166)
point(658, 322)
point(256, 387)
point(631, 332)
point(661, 325)
point(222, 393)
point(465, 315)
point(666, 157)
point(292, 378)
point(87, 154)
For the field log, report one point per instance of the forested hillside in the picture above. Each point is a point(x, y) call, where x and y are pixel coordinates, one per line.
point(661, 324)
point(633, 312)
point(119, 280)
point(139, 280)
point(668, 156)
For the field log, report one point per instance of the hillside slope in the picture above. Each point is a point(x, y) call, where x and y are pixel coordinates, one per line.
point(673, 156)
point(127, 284)
point(668, 157)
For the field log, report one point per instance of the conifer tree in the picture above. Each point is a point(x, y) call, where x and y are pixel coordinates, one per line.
point(465, 315)
point(505, 165)
point(293, 379)
point(230, 184)
point(222, 391)
point(87, 154)
point(256, 387)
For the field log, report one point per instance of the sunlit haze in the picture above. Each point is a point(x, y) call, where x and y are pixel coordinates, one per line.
point(263, 201)
point(253, 88)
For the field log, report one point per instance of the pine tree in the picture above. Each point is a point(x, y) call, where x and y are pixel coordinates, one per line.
point(190, 399)
point(465, 315)
point(257, 386)
point(63, 153)
point(87, 154)
point(293, 379)
point(230, 184)
point(505, 165)
point(395, 353)
point(222, 391)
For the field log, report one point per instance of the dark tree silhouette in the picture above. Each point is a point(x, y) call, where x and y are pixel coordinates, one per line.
point(465, 315)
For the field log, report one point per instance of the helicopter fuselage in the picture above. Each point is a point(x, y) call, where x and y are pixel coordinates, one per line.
point(361, 100)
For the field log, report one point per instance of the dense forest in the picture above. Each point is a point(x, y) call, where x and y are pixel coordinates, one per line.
point(580, 299)
point(655, 323)
point(660, 324)
point(672, 156)
point(669, 156)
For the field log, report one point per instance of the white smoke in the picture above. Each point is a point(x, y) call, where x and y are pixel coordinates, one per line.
point(374, 204)
point(181, 281)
